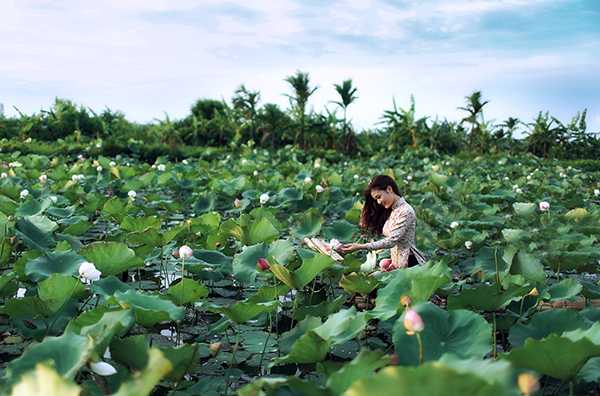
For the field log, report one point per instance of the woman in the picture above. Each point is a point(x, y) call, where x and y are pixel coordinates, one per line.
point(386, 212)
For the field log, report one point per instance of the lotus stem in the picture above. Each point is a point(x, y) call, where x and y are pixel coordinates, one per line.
point(420, 342)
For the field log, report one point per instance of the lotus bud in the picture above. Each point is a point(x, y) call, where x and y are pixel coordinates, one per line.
point(409, 178)
point(435, 168)
point(405, 301)
point(385, 264)
point(24, 194)
point(185, 251)
point(21, 292)
point(132, 194)
point(264, 198)
point(255, 173)
point(161, 167)
point(80, 157)
point(454, 224)
point(237, 203)
point(544, 206)
point(356, 177)
point(3, 175)
point(103, 368)
point(528, 384)
point(214, 347)
point(413, 323)
point(112, 163)
point(534, 292)
point(43, 179)
point(469, 245)
point(262, 264)
point(98, 169)
point(319, 188)
point(307, 180)
point(519, 191)
point(597, 192)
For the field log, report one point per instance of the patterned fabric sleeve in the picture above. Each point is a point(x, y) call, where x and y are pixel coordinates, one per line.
point(395, 235)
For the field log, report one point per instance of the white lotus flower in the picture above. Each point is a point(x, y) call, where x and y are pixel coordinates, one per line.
point(435, 168)
point(132, 194)
point(4, 175)
point(597, 192)
point(244, 161)
point(21, 292)
point(447, 163)
point(185, 251)
point(544, 206)
point(468, 245)
point(518, 191)
point(307, 180)
point(15, 164)
point(80, 157)
point(153, 166)
point(255, 173)
point(319, 188)
point(112, 163)
point(98, 145)
point(334, 243)
point(53, 198)
point(88, 272)
point(77, 178)
point(161, 167)
point(409, 177)
point(356, 177)
point(185, 162)
point(562, 174)
point(317, 165)
point(103, 368)
point(370, 263)
point(98, 169)
point(454, 224)
point(264, 198)
point(28, 140)
point(528, 177)
point(24, 194)
point(514, 187)
point(43, 178)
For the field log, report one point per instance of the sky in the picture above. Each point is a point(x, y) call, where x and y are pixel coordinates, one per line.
point(150, 58)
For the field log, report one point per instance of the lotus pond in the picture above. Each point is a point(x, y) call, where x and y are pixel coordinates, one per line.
point(188, 278)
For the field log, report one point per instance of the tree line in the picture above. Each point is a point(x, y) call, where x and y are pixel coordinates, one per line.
point(244, 118)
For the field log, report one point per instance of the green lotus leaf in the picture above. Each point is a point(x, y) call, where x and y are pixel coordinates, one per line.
point(57, 289)
point(524, 209)
point(565, 289)
point(362, 366)
point(182, 359)
point(542, 324)
point(102, 324)
point(148, 309)
point(577, 214)
point(529, 266)
point(144, 382)
point(460, 332)
point(186, 291)
point(418, 282)
point(44, 380)
point(68, 353)
point(262, 231)
point(358, 283)
point(486, 297)
point(131, 351)
point(65, 263)
point(310, 223)
point(111, 258)
point(559, 356)
point(432, 378)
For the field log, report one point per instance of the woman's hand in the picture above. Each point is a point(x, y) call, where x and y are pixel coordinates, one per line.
point(350, 247)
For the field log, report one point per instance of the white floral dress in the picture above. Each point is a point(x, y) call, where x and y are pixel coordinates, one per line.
point(399, 231)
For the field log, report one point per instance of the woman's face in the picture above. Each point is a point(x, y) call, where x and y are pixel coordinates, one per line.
point(385, 197)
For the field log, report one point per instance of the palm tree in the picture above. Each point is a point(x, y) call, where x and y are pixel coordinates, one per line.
point(302, 91)
point(475, 118)
point(246, 101)
point(348, 95)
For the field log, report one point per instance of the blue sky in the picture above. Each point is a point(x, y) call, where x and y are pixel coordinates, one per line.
point(151, 57)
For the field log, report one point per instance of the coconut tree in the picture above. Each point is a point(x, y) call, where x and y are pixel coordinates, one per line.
point(474, 108)
point(300, 83)
point(347, 96)
point(246, 102)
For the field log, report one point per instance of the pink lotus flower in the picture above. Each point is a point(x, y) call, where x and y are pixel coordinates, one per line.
point(386, 264)
point(185, 251)
point(262, 264)
point(413, 323)
point(544, 206)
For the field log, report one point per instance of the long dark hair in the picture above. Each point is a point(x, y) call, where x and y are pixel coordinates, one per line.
point(373, 215)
